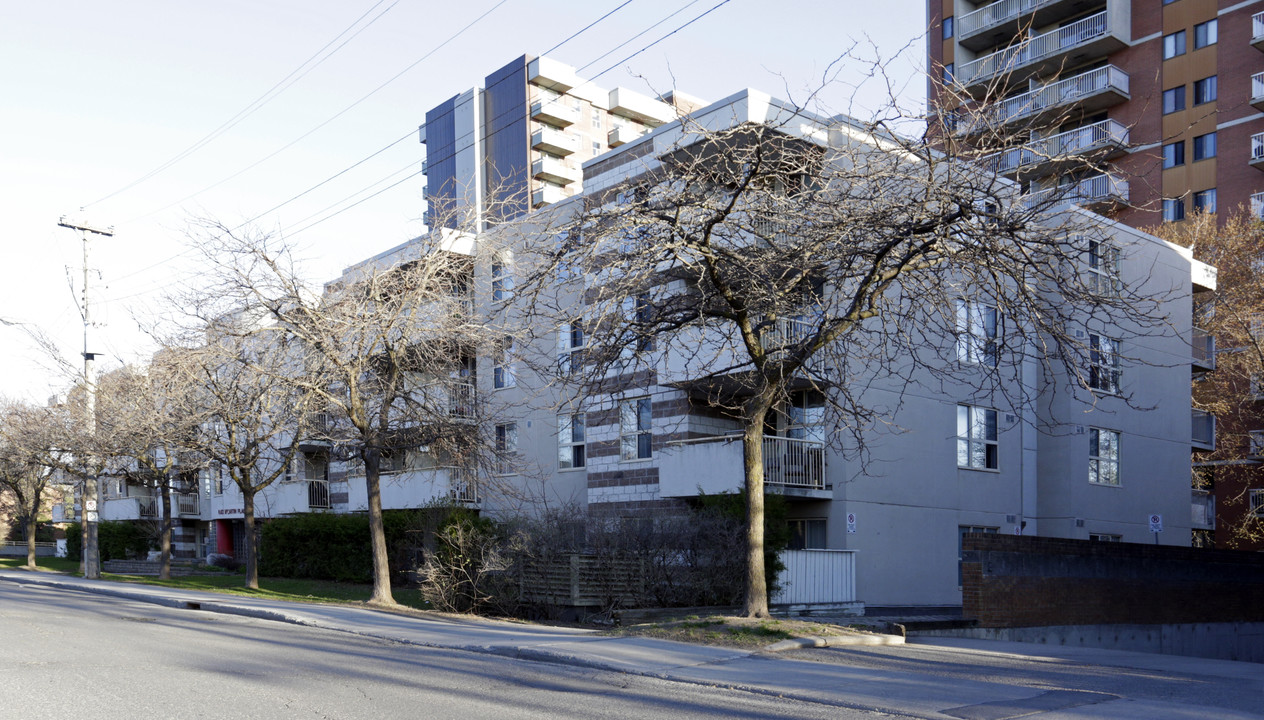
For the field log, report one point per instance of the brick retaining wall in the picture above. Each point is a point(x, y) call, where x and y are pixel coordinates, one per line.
point(1012, 581)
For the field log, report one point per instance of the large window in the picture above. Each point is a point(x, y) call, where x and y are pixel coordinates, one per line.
point(1173, 209)
point(1205, 200)
point(1103, 456)
point(807, 534)
point(502, 279)
point(976, 438)
point(1205, 90)
point(1173, 100)
point(503, 364)
point(1174, 44)
point(978, 333)
point(506, 447)
point(1205, 146)
point(636, 421)
point(570, 441)
point(948, 27)
point(570, 340)
point(1206, 33)
point(1103, 268)
point(1174, 154)
point(1103, 370)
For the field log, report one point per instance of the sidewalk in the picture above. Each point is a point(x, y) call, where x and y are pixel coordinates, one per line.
point(901, 692)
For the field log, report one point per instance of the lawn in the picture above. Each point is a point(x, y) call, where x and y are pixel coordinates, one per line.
point(293, 589)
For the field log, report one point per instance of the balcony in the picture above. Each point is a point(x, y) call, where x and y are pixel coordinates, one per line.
point(1204, 347)
point(1202, 510)
point(638, 107)
point(993, 24)
point(1088, 92)
point(1257, 151)
point(623, 134)
point(1203, 430)
point(129, 508)
point(1255, 445)
point(554, 112)
point(547, 195)
point(1257, 206)
point(784, 332)
point(462, 485)
point(1257, 31)
point(1098, 141)
point(549, 73)
point(1257, 91)
point(318, 495)
point(1099, 193)
point(186, 505)
point(792, 467)
point(556, 171)
point(1046, 53)
point(554, 141)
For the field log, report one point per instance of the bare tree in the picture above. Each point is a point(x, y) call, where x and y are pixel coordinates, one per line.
point(386, 355)
point(27, 446)
point(794, 253)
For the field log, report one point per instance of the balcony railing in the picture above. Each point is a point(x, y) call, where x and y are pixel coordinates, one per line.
point(462, 485)
point(1257, 91)
point(318, 495)
point(1093, 192)
point(1257, 30)
point(1257, 150)
point(784, 332)
point(1203, 429)
point(1103, 135)
point(791, 462)
point(1098, 89)
point(1257, 206)
point(1204, 346)
point(1255, 444)
point(461, 400)
point(1046, 47)
point(187, 504)
point(1007, 12)
point(147, 507)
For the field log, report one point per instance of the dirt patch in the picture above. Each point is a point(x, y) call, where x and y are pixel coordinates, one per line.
point(728, 631)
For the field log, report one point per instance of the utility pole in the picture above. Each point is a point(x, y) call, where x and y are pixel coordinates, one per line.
point(91, 481)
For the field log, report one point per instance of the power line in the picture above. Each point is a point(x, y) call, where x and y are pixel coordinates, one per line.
point(587, 27)
point(673, 32)
point(272, 93)
point(606, 54)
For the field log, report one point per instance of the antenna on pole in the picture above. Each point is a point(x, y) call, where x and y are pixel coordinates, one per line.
point(91, 550)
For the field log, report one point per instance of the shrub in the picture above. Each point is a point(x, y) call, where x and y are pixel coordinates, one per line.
point(325, 546)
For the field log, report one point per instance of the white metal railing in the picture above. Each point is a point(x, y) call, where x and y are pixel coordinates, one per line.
point(1098, 188)
point(462, 486)
point(1035, 49)
point(1257, 87)
point(461, 401)
point(318, 495)
point(147, 507)
point(792, 462)
point(187, 504)
point(1072, 142)
point(817, 576)
point(1257, 147)
point(1257, 205)
point(1255, 443)
point(997, 13)
point(1203, 427)
point(785, 331)
point(1257, 27)
point(1051, 95)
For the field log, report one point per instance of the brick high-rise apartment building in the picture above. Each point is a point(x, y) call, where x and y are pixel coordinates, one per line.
point(1170, 93)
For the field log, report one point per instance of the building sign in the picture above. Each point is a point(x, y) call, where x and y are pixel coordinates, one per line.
point(1156, 523)
point(232, 511)
point(851, 523)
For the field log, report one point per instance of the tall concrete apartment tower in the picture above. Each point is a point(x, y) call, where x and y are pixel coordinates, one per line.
point(517, 143)
point(1169, 92)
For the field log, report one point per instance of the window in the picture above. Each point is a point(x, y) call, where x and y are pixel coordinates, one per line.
point(1174, 44)
point(1103, 457)
point(570, 338)
point(1103, 268)
point(976, 438)
point(570, 441)
point(1173, 209)
point(506, 447)
point(1173, 154)
point(805, 416)
point(503, 365)
point(1205, 200)
point(1103, 370)
point(596, 118)
point(978, 332)
point(807, 534)
point(962, 531)
point(596, 147)
point(1205, 146)
point(948, 27)
point(1105, 537)
point(1205, 33)
point(638, 311)
point(502, 279)
point(1205, 90)
point(1173, 100)
point(949, 69)
point(1257, 502)
point(635, 434)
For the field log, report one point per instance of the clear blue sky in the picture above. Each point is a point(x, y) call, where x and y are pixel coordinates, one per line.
point(94, 95)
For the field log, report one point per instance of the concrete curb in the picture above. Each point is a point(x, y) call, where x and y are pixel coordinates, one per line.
point(834, 641)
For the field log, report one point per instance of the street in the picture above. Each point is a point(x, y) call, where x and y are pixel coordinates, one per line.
point(69, 652)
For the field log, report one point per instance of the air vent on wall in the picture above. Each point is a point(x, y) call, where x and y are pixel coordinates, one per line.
point(1079, 522)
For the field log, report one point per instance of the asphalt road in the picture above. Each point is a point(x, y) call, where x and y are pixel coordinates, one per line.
point(74, 655)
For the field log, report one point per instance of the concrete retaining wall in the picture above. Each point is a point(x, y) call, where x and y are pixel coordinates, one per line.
point(1220, 641)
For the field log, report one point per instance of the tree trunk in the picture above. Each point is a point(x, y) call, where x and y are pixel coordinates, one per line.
point(30, 537)
point(377, 530)
point(756, 604)
point(164, 533)
point(252, 552)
